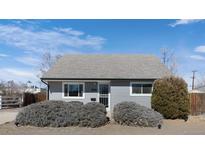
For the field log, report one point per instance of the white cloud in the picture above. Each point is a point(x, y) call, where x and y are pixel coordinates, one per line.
point(184, 22)
point(28, 60)
point(200, 48)
point(17, 74)
point(34, 40)
point(197, 57)
point(69, 31)
point(3, 55)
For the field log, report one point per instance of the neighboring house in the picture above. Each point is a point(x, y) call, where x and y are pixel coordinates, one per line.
point(32, 89)
point(200, 89)
point(108, 79)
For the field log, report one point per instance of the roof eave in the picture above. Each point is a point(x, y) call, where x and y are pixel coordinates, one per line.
point(153, 78)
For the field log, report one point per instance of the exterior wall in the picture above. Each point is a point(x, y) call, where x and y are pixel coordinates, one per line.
point(56, 93)
point(120, 91)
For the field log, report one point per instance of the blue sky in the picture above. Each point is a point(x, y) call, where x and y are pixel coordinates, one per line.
point(22, 42)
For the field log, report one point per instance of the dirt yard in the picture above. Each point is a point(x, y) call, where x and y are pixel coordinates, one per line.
point(194, 126)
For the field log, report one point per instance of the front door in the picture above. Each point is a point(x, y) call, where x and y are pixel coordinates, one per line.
point(104, 94)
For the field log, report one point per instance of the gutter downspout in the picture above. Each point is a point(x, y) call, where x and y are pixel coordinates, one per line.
point(47, 88)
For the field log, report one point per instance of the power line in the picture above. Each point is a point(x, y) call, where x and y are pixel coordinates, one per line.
point(165, 56)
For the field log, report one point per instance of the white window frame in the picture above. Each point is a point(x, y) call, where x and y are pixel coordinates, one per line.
point(73, 97)
point(131, 83)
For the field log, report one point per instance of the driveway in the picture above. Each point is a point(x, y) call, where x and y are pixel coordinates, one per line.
point(7, 115)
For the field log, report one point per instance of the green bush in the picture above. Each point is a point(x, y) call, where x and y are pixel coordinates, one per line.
point(132, 114)
point(62, 114)
point(93, 115)
point(170, 98)
point(50, 114)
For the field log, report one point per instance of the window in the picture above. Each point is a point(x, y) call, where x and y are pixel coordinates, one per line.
point(91, 87)
point(140, 88)
point(147, 88)
point(73, 90)
point(136, 88)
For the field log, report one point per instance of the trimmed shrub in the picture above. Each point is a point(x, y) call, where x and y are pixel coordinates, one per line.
point(50, 113)
point(62, 114)
point(132, 114)
point(170, 98)
point(93, 115)
point(76, 103)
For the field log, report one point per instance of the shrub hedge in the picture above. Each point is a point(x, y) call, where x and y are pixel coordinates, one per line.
point(62, 114)
point(49, 113)
point(76, 103)
point(93, 115)
point(132, 114)
point(170, 97)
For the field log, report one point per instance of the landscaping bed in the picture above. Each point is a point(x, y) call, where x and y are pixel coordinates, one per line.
point(194, 126)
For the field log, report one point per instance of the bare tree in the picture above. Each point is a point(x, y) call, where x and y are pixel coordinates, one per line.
point(200, 81)
point(169, 59)
point(203, 82)
point(2, 86)
point(173, 64)
point(47, 61)
point(165, 55)
point(12, 88)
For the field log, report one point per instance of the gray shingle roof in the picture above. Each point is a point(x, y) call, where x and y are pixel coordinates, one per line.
point(107, 67)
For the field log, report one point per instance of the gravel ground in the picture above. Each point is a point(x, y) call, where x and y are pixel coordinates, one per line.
point(194, 126)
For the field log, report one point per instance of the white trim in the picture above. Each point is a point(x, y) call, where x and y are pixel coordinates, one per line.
point(144, 82)
point(105, 82)
point(70, 97)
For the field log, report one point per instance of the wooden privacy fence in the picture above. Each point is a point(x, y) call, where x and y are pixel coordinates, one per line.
point(29, 98)
point(10, 101)
point(197, 103)
point(18, 101)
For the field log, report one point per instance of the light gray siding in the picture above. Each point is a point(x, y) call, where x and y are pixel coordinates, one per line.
point(119, 91)
point(56, 93)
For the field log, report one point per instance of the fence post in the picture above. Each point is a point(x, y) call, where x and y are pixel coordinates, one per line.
point(0, 101)
point(22, 99)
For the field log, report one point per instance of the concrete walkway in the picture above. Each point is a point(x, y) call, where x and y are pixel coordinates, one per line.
point(7, 115)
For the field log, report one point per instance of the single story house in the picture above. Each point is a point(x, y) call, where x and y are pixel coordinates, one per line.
point(33, 89)
point(108, 79)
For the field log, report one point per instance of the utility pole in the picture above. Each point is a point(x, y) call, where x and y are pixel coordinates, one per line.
point(193, 79)
point(164, 52)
